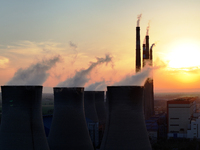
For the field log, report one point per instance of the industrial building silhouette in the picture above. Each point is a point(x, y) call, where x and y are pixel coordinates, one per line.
point(78, 114)
point(21, 124)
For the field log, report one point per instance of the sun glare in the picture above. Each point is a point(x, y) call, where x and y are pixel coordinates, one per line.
point(184, 55)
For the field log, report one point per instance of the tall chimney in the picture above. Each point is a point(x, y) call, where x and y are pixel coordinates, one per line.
point(69, 128)
point(22, 125)
point(138, 55)
point(147, 47)
point(125, 127)
point(144, 54)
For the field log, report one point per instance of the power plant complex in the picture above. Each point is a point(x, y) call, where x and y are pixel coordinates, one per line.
point(82, 120)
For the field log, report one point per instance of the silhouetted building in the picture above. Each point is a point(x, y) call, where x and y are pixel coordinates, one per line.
point(125, 126)
point(91, 116)
point(21, 125)
point(69, 128)
point(180, 112)
point(138, 53)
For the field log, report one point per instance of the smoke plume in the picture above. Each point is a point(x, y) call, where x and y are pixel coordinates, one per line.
point(81, 77)
point(98, 86)
point(72, 45)
point(36, 74)
point(147, 33)
point(140, 78)
point(138, 21)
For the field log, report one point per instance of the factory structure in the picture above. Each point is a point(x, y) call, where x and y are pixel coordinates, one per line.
point(81, 120)
point(147, 59)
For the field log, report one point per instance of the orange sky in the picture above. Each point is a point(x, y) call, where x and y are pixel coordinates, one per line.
point(36, 31)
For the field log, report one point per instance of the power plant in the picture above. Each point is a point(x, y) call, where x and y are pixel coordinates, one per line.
point(69, 129)
point(81, 120)
point(125, 127)
point(21, 123)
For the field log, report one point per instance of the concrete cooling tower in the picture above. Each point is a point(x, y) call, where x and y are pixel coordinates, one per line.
point(148, 99)
point(100, 106)
point(69, 130)
point(89, 104)
point(101, 112)
point(125, 127)
point(22, 126)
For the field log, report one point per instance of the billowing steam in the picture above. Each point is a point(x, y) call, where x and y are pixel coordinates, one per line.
point(137, 79)
point(36, 74)
point(147, 33)
point(81, 77)
point(98, 86)
point(138, 21)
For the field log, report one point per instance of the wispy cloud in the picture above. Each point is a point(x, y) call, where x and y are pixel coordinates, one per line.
point(82, 77)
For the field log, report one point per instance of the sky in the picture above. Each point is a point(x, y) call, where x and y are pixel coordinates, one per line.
point(80, 31)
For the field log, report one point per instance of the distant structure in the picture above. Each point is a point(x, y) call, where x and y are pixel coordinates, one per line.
point(148, 98)
point(180, 113)
point(125, 126)
point(21, 125)
point(101, 112)
point(91, 116)
point(138, 53)
point(69, 129)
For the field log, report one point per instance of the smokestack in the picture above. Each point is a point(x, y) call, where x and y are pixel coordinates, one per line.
point(138, 55)
point(22, 125)
point(151, 54)
point(69, 128)
point(126, 127)
point(147, 47)
point(144, 54)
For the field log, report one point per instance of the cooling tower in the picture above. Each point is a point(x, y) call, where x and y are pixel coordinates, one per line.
point(138, 55)
point(101, 112)
point(148, 98)
point(100, 106)
point(22, 126)
point(69, 130)
point(89, 104)
point(125, 127)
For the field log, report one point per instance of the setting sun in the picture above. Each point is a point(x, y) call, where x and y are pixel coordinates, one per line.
point(184, 55)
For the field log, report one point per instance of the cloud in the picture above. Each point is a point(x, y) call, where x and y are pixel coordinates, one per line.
point(3, 62)
point(81, 77)
point(35, 74)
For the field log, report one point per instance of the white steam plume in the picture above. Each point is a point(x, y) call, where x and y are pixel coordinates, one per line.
point(140, 78)
point(147, 33)
point(97, 86)
point(81, 77)
point(138, 21)
point(36, 74)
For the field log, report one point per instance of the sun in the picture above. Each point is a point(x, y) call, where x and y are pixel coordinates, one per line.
point(184, 55)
